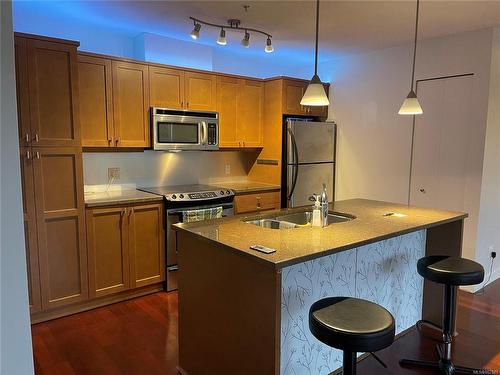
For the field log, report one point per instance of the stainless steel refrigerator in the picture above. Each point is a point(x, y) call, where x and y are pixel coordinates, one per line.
point(308, 161)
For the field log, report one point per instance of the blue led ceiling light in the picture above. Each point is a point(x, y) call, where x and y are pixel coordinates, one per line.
point(234, 24)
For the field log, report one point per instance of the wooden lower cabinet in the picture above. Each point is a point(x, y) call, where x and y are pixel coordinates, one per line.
point(125, 247)
point(257, 202)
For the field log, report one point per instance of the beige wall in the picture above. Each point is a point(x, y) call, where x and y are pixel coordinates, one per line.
point(157, 168)
point(374, 141)
point(16, 355)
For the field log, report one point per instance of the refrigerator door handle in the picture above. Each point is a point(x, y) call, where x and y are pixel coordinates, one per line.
point(295, 161)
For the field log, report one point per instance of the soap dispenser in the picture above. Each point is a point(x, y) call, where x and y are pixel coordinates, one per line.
point(316, 215)
point(324, 207)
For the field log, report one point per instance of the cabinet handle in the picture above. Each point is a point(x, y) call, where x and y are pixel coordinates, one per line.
point(243, 143)
point(117, 141)
point(36, 137)
point(422, 191)
point(187, 104)
point(28, 155)
point(37, 155)
point(122, 212)
point(109, 142)
point(27, 137)
point(182, 104)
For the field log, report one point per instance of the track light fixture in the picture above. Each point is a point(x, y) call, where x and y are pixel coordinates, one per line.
point(233, 25)
point(195, 34)
point(245, 42)
point(222, 38)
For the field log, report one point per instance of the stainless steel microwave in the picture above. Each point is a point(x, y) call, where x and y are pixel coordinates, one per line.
point(176, 130)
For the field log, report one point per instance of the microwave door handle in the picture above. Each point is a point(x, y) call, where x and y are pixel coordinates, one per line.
point(204, 131)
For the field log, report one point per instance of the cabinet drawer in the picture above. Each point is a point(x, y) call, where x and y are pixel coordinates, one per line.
point(257, 202)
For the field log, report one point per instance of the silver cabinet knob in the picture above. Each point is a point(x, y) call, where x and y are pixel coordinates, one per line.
point(422, 191)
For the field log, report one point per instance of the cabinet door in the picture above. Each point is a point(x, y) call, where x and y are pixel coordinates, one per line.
point(131, 104)
point(256, 202)
point(227, 93)
point(96, 107)
point(107, 244)
point(201, 91)
point(293, 91)
point(250, 113)
point(166, 87)
point(60, 225)
point(22, 91)
point(30, 235)
point(147, 249)
point(53, 92)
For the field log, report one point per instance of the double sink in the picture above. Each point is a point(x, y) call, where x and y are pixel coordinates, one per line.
point(296, 220)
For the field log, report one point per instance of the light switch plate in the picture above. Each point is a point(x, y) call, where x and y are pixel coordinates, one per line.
point(227, 169)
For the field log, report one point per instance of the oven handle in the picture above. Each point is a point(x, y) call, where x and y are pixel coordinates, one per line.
point(226, 206)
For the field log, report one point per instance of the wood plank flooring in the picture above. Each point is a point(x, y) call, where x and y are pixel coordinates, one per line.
point(140, 337)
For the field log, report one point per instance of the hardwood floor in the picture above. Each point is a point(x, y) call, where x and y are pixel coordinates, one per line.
point(140, 337)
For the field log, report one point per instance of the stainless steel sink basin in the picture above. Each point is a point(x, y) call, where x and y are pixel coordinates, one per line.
point(296, 220)
point(272, 224)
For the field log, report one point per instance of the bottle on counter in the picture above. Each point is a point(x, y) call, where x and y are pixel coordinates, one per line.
point(324, 206)
point(316, 215)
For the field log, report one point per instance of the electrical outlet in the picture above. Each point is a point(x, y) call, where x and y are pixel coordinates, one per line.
point(114, 173)
point(227, 168)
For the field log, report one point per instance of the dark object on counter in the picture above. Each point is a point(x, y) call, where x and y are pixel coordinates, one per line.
point(352, 325)
point(451, 272)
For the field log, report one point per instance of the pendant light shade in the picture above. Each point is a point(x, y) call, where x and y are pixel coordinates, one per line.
point(411, 105)
point(315, 94)
point(222, 38)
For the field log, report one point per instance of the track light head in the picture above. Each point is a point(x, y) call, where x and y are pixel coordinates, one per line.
point(246, 40)
point(195, 34)
point(269, 45)
point(222, 38)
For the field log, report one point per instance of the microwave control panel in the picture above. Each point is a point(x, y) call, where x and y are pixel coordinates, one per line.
point(212, 134)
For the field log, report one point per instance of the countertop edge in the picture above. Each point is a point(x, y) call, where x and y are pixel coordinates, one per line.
point(278, 266)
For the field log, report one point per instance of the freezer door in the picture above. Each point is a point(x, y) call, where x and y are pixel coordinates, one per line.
point(314, 142)
point(310, 179)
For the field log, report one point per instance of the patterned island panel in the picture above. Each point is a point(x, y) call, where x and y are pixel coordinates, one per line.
point(383, 272)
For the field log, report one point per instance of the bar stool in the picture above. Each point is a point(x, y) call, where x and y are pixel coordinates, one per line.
point(451, 272)
point(351, 325)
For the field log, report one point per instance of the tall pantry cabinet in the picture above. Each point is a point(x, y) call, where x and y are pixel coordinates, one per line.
point(51, 168)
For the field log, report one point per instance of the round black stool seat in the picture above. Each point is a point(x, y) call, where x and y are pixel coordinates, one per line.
point(351, 324)
point(450, 270)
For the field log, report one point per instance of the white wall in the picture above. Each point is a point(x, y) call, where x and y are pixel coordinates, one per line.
point(374, 141)
point(15, 337)
point(489, 221)
point(156, 168)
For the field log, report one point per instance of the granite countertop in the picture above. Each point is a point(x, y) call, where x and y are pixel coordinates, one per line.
point(300, 244)
point(120, 197)
point(248, 186)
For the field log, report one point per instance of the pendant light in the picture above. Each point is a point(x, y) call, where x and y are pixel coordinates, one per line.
point(315, 94)
point(410, 105)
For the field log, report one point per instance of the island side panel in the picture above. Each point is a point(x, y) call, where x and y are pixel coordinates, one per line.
point(444, 239)
point(228, 311)
point(383, 272)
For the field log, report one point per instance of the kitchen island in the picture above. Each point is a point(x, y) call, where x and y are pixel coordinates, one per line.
point(245, 312)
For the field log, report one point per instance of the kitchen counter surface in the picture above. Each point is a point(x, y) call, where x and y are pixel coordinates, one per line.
point(301, 244)
point(120, 197)
point(249, 187)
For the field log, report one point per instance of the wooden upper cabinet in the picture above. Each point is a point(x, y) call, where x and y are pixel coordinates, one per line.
point(53, 93)
point(107, 244)
point(22, 91)
point(147, 249)
point(30, 234)
point(130, 104)
point(58, 186)
point(240, 107)
point(96, 106)
point(166, 87)
point(227, 92)
point(250, 113)
point(200, 91)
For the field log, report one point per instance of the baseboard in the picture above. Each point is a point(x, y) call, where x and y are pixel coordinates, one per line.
point(495, 274)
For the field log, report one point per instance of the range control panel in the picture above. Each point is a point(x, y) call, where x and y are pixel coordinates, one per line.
point(199, 195)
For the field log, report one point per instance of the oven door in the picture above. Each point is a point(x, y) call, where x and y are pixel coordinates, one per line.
point(174, 216)
point(179, 133)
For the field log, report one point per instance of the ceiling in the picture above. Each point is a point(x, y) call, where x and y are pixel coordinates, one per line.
point(346, 26)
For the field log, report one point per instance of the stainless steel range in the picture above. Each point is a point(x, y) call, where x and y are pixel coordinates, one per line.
point(181, 202)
